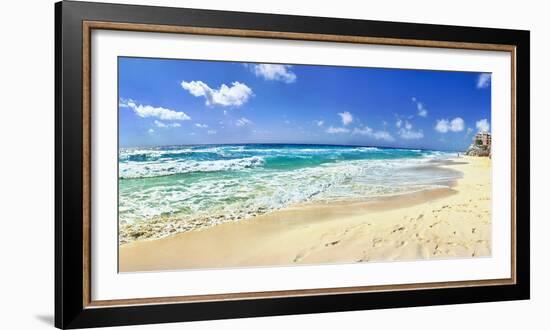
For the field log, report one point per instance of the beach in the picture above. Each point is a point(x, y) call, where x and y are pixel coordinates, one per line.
point(450, 220)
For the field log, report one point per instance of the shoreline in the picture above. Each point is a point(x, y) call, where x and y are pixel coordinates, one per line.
point(420, 225)
point(165, 226)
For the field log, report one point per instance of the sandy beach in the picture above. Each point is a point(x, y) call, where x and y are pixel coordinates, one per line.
point(450, 222)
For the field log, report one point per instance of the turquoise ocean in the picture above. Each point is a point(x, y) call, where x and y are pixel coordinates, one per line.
point(218, 183)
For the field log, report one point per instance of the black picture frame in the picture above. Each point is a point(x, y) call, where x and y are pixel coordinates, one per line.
point(70, 309)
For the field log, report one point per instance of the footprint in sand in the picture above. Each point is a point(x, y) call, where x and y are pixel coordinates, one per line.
point(299, 256)
point(435, 224)
point(364, 258)
point(402, 228)
point(304, 253)
point(332, 243)
point(376, 242)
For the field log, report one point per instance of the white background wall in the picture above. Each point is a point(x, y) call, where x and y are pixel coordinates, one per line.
point(27, 169)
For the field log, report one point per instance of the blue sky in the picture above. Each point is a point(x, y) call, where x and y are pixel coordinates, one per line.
point(169, 102)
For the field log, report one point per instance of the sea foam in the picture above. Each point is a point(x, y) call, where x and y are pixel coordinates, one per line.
point(195, 187)
point(131, 169)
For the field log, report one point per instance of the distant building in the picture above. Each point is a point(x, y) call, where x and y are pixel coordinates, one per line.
point(481, 145)
point(483, 139)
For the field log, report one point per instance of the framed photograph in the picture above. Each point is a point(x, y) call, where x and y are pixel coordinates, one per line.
point(215, 164)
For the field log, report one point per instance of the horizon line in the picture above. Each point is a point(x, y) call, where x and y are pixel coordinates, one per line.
point(285, 143)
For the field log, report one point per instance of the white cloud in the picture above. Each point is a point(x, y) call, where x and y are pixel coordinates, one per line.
point(151, 131)
point(383, 135)
point(145, 111)
point(409, 134)
point(469, 131)
point(243, 122)
point(457, 124)
point(236, 95)
point(406, 131)
point(363, 130)
point(483, 125)
point(319, 122)
point(337, 130)
point(398, 123)
point(445, 125)
point(378, 135)
point(347, 118)
point(421, 110)
point(279, 72)
point(160, 124)
point(442, 126)
point(211, 132)
point(199, 125)
point(483, 80)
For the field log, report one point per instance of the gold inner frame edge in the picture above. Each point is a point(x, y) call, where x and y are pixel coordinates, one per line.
point(88, 26)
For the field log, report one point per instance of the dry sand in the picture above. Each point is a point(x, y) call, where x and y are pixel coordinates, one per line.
point(442, 223)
